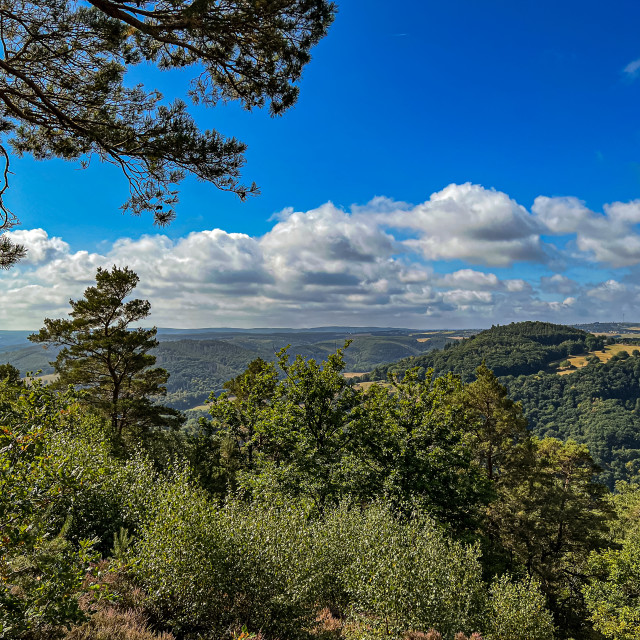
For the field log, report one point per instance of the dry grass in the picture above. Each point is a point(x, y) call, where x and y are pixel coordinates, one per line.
point(428, 333)
point(423, 339)
point(124, 619)
point(46, 379)
point(328, 626)
point(365, 386)
point(611, 350)
point(111, 623)
point(353, 374)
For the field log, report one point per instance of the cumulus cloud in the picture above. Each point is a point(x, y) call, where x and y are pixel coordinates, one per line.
point(40, 247)
point(558, 283)
point(468, 222)
point(611, 237)
point(385, 263)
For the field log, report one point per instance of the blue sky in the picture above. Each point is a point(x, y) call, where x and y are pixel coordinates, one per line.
point(530, 110)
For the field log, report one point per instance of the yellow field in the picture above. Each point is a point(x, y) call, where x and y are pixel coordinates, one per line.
point(367, 385)
point(423, 339)
point(609, 351)
point(48, 378)
point(201, 407)
point(353, 374)
point(429, 333)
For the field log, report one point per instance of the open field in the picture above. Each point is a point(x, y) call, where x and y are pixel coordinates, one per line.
point(367, 385)
point(609, 351)
point(47, 378)
point(353, 374)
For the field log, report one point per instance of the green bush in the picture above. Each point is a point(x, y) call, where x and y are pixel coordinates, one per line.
point(408, 575)
point(207, 569)
point(41, 572)
point(516, 611)
point(613, 597)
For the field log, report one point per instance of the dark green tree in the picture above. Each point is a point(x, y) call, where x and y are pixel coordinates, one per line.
point(9, 373)
point(103, 355)
point(549, 516)
point(62, 90)
point(498, 426)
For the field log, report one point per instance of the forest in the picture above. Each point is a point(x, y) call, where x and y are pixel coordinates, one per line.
point(305, 506)
point(201, 361)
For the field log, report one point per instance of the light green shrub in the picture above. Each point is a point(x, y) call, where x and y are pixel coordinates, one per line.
point(613, 597)
point(207, 569)
point(516, 611)
point(407, 575)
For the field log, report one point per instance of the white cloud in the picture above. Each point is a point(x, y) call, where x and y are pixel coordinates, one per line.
point(558, 283)
point(611, 237)
point(468, 222)
point(633, 67)
point(470, 279)
point(330, 266)
point(40, 247)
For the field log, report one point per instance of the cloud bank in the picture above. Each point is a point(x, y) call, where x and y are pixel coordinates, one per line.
point(467, 256)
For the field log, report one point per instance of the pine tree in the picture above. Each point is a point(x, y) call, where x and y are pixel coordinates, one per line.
point(104, 356)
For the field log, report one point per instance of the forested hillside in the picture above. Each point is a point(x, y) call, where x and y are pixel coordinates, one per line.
point(306, 506)
point(515, 349)
point(598, 405)
point(201, 361)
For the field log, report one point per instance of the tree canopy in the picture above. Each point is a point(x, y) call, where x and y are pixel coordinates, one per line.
point(63, 92)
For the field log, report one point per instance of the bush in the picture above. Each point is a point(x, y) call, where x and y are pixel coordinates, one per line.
point(208, 569)
point(407, 575)
point(516, 611)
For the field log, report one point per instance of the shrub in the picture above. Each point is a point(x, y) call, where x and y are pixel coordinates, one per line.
point(408, 575)
point(516, 611)
point(207, 569)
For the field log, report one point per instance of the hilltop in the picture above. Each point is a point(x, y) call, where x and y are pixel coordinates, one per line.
point(570, 385)
point(513, 349)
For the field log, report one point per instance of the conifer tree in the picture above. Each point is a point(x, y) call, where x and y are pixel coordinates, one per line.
point(107, 358)
point(63, 92)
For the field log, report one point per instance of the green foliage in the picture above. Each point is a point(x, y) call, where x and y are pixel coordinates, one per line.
point(549, 516)
point(313, 435)
point(414, 448)
point(41, 573)
point(613, 596)
point(207, 569)
point(498, 426)
point(10, 373)
point(520, 348)
point(595, 405)
point(613, 593)
point(110, 361)
point(407, 575)
point(517, 611)
point(253, 52)
point(360, 503)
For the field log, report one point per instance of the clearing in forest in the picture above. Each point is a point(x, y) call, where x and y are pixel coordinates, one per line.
point(577, 362)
